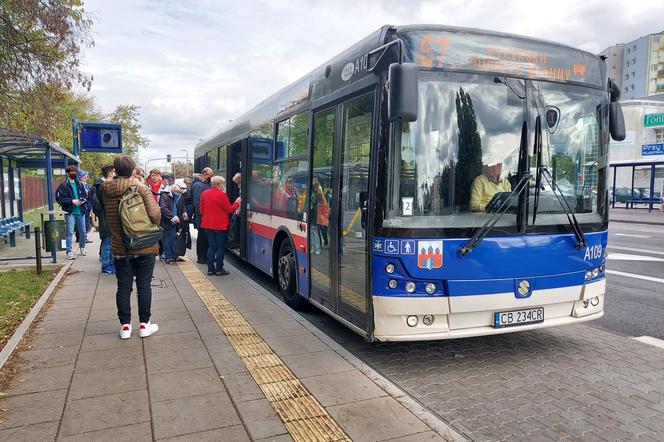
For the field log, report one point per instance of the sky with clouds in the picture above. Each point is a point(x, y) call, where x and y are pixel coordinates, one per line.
point(192, 65)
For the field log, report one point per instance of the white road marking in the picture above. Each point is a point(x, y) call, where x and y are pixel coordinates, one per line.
point(636, 276)
point(627, 257)
point(650, 340)
point(632, 236)
point(634, 249)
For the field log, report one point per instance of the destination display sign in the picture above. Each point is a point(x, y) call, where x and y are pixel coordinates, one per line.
point(100, 137)
point(448, 50)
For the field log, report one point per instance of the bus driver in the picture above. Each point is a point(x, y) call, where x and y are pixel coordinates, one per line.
point(485, 186)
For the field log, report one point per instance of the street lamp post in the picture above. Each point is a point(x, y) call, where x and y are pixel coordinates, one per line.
point(186, 159)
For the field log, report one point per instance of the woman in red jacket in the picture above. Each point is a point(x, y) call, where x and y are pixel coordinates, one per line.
point(216, 210)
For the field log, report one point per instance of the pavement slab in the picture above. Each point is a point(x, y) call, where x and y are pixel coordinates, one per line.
point(79, 381)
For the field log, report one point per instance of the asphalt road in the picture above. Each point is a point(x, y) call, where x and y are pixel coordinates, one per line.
point(634, 306)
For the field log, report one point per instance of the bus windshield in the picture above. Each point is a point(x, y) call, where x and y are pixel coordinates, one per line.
point(459, 160)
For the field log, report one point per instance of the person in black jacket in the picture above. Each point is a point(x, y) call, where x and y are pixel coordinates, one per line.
point(105, 255)
point(197, 188)
point(173, 214)
point(71, 196)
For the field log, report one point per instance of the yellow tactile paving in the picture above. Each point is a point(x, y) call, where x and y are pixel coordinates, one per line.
point(304, 417)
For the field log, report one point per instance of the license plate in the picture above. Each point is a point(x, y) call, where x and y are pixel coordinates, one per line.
point(518, 317)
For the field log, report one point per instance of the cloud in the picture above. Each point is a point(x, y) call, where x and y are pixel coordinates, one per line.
point(193, 65)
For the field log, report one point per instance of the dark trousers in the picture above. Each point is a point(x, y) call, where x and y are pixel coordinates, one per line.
point(126, 269)
point(201, 245)
point(216, 249)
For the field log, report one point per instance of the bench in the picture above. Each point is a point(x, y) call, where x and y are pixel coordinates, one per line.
point(9, 227)
point(630, 203)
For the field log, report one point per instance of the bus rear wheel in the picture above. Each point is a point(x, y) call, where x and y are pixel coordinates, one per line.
point(286, 271)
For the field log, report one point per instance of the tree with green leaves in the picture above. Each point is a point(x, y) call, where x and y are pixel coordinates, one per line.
point(40, 46)
point(469, 163)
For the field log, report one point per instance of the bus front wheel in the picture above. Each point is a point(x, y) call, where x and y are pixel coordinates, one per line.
point(286, 271)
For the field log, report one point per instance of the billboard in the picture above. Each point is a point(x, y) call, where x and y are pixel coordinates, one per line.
point(100, 137)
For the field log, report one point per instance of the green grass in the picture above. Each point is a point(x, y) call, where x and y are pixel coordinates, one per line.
point(20, 291)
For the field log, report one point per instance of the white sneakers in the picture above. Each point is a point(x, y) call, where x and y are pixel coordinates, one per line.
point(71, 256)
point(146, 329)
point(125, 331)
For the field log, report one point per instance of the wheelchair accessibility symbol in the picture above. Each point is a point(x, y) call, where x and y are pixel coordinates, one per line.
point(392, 246)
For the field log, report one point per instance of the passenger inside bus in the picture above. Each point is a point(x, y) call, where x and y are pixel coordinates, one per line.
point(485, 186)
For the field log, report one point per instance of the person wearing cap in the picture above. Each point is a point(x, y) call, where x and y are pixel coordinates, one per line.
point(71, 195)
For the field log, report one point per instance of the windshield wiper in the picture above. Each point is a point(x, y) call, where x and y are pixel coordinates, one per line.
point(521, 185)
point(573, 222)
point(537, 150)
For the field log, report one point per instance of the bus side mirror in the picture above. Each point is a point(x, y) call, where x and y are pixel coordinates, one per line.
point(616, 122)
point(402, 95)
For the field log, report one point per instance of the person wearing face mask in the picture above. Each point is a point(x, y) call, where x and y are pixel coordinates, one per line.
point(173, 214)
point(72, 196)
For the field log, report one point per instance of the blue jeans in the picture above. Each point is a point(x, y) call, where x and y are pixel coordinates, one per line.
point(76, 222)
point(216, 248)
point(106, 256)
point(168, 242)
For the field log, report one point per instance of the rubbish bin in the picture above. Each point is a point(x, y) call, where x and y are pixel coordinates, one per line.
point(55, 235)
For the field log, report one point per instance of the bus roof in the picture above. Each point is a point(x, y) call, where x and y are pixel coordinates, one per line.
point(351, 65)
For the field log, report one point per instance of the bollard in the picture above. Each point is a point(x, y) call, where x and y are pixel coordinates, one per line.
point(38, 256)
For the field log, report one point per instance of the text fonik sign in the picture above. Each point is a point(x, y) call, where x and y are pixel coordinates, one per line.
point(653, 120)
point(100, 137)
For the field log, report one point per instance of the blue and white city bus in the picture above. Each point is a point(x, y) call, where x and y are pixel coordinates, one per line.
point(430, 182)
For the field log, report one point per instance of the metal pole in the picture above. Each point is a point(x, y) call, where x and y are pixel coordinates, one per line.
point(20, 191)
point(12, 195)
point(2, 189)
point(613, 194)
point(38, 256)
point(49, 190)
point(74, 135)
point(652, 187)
point(631, 192)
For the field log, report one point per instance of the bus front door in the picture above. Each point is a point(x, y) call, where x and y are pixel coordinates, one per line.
point(339, 184)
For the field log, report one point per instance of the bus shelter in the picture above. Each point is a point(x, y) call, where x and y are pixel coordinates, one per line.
point(637, 183)
point(19, 151)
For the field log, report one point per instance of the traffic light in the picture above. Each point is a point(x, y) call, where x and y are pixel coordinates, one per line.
point(168, 157)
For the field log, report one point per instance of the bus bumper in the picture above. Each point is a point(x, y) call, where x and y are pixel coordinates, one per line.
point(468, 316)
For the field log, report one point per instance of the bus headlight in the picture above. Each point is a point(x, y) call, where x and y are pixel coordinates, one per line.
point(389, 268)
point(411, 321)
point(392, 283)
point(430, 288)
point(589, 275)
point(410, 286)
point(594, 301)
point(595, 272)
point(427, 320)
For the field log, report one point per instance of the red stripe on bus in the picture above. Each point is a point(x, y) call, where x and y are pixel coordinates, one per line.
point(270, 232)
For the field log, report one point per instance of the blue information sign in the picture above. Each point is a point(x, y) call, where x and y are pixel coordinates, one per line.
point(652, 149)
point(100, 137)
